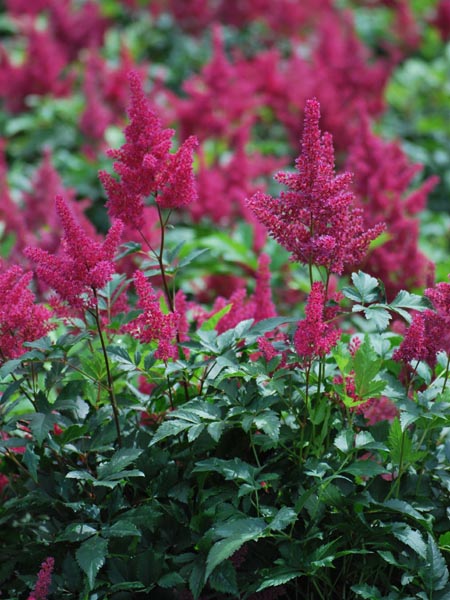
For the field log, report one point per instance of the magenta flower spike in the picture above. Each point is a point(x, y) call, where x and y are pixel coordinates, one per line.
point(315, 336)
point(83, 265)
point(316, 219)
point(152, 325)
point(44, 580)
point(145, 165)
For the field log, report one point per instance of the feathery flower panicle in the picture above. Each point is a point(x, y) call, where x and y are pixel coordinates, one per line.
point(177, 185)
point(383, 185)
point(145, 166)
point(429, 331)
point(152, 325)
point(21, 320)
point(315, 336)
point(84, 265)
point(44, 580)
point(316, 220)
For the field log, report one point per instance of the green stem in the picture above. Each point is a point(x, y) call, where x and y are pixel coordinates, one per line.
point(112, 396)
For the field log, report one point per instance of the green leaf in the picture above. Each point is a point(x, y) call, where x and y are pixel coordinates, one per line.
point(376, 313)
point(9, 367)
point(31, 461)
point(236, 533)
point(365, 468)
point(366, 288)
point(435, 573)
point(344, 441)
point(196, 579)
point(279, 576)
point(269, 422)
point(368, 592)
point(91, 557)
point(284, 517)
point(411, 537)
point(118, 462)
point(41, 424)
point(170, 580)
point(122, 528)
point(120, 356)
point(192, 256)
point(76, 532)
point(223, 579)
point(366, 365)
point(211, 323)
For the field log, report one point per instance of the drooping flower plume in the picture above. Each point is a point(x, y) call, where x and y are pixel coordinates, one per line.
point(316, 220)
point(83, 265)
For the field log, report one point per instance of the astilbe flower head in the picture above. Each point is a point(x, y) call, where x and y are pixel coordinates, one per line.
point(40, 73)
point(83, 265)
point(429, 331)
point(316, 220)
point(152, 325)
point(382, 184)
point(44, 580)
point(145, 165)
point(315, 336)
point(21, 319)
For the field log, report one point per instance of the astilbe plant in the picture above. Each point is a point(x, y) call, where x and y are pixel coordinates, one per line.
point(236, 457)
point(316, 220)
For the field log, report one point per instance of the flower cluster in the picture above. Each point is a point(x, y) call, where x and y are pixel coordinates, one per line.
point(383, 178)
point(429, 332)
point(44, 580)
point(315, 335)
point(21, 319)
point(83, 265)
point(145, 165)
point(152, 325)
point(316, 220)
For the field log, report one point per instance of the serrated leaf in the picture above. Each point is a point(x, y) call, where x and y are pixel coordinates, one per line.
point(118, 462)
point(223, 579)
point(284, 517)
point(279, 576)
point(435, 573)
point(120, 356)
point(365, 468)
point(170, 580)
point(31, 461)
point(215, 430)
point(196, 579)
point(82, 475)
point(9, 367)
point(76, 532)
point(269, 422)
point(41, 424)
point(366, 366)
point(366, 288)
point(344, 440)
point(240, 531)
point(376, 314)
point(122, 528)
point(368, 592)
point(411, 537)
point(91, 557)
